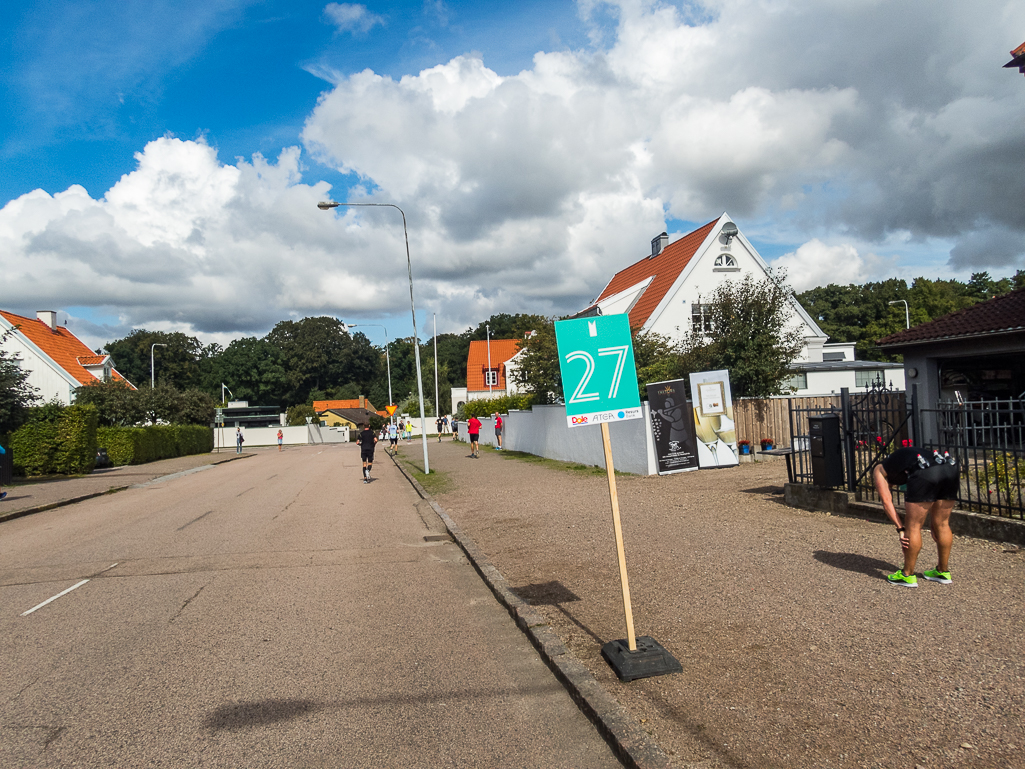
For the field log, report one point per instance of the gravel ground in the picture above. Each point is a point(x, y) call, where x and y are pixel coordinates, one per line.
point(795, 651)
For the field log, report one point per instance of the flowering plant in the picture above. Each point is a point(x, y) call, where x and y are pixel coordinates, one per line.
point(767, 442)
point(743, 442)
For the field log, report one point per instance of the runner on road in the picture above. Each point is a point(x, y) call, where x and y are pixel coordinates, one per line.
point(393, 438)
point(473, 430)
point(932, 486)
point(366, 440)
point(440, 424)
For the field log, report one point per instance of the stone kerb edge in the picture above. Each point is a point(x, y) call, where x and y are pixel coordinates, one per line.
point(631, 744)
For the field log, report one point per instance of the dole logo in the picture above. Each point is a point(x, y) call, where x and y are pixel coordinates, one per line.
point(580, 420)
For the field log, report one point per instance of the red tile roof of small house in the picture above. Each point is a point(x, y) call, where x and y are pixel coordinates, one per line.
point(477, 362)
point(63, 347)
point(1000, 315)
point(354, 403)
point(664, 269)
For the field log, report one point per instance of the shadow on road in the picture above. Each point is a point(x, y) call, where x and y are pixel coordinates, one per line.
point(862, 564)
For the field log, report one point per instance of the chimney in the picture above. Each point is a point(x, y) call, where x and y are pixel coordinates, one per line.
point(362, 402)
point(49, 317)
point(659, 243)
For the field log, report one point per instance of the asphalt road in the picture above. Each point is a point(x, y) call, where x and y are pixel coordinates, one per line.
point(270, 612)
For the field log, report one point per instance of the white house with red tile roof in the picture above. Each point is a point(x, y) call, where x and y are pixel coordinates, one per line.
point(663, 292)
point(58, 362)
point(489, 371)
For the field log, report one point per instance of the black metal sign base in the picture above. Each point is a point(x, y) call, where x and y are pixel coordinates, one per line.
point(650, 659)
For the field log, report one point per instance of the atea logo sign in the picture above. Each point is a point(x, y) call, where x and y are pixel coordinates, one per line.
point(599, 377)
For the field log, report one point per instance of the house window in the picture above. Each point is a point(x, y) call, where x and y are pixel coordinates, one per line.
point(866, 378)
point(701, 320)
point(798, 381)
point(491, 377)
point(726, 261)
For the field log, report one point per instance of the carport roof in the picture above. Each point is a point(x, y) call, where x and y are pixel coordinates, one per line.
point(1000, 315)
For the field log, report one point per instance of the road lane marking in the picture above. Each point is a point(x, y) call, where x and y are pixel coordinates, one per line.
point(51, 600)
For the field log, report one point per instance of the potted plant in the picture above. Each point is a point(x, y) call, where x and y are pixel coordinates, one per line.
point(767, 444)
point(744, 446)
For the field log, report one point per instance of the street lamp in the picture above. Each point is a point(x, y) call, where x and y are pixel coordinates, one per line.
point(907, 314)
point(152, 378)
point(437, 395)
point(326, 206)
point(387, 356)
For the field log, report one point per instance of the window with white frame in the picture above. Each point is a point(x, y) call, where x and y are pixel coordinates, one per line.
point(866, 378)
point(798, 381)
point(725, 261)
point(491, 377)
point(701, 320)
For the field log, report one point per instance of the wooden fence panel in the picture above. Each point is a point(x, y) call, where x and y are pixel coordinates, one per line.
point(758, 418)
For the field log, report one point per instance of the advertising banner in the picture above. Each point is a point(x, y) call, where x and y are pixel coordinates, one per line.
point(713, 419)
point(672, 427)
point(599, 378)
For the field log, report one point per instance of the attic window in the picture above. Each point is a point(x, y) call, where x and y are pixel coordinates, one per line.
point(832, 356)
point(725, 262)
point(491, 377)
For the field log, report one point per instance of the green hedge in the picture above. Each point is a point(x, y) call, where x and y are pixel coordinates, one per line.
point(138, 445)
point(489, 406)
point(66, 445)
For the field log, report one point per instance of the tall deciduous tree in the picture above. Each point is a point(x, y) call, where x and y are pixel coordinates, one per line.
point(16, 394)
point(177, 364)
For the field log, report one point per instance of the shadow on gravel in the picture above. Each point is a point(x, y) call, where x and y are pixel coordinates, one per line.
point(862, 564)
point(554, 594)
point(245, 715)
point(764, 490)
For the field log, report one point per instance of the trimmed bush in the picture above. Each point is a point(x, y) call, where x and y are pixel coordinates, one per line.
point(64, 442)
point(489, 406)
point(138, 445)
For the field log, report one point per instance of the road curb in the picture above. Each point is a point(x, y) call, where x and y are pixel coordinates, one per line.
point(75, 500)
point(631, 744)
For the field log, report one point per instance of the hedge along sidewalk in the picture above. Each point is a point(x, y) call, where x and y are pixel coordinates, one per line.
point(37, 496)
point(631, 744)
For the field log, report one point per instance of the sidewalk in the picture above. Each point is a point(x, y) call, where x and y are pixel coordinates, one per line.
point(795, 650)
point(26, 496)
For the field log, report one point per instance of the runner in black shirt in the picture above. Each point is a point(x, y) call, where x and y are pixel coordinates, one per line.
point(932, 487)
point(366, 440)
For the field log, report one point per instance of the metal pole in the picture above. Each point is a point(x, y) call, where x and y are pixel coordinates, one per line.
point(387, 358)
point(437, 395)
point(152, 378)
point(907, 313)
point(491, 389)
point(412, 307)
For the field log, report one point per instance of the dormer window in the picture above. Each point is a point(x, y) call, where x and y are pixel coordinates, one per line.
point(725, 262)
point(491, 377)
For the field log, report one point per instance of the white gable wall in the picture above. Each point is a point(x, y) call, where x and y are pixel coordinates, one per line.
point(49, 379)
point(701, 276)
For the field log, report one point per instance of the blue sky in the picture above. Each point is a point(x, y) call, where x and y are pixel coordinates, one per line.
point(536, 147)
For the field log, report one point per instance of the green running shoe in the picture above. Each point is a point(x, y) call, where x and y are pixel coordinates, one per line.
point(935, 575)
point(898, 578)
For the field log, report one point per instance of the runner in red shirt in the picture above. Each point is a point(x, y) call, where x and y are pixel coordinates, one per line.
point(473, 429)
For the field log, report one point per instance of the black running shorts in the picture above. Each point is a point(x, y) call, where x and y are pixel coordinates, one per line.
point(933, 483)
point(367, 455)
point(473, 437)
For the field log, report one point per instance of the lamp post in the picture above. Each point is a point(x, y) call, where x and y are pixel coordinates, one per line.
point(437, 395)
point(907, 313)
point(326, 206)
point(152, 377)
point(491, 388)
point(387, 356)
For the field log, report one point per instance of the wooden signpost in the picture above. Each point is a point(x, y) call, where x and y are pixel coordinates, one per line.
point(599, 382)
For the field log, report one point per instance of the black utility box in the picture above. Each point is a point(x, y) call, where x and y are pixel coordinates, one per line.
point(826, 450)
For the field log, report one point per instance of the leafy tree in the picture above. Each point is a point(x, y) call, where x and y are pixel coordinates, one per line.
point(117, 404)
point(255, 372)
point(538, 373)
point(17, 396)
point(659, 358)
point(177, 364)
point(752, 336)
point(296, 415)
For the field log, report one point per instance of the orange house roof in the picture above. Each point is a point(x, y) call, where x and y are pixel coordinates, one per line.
point(477, 362)
point(663, 269)
point(354, 403)
point(66, 349)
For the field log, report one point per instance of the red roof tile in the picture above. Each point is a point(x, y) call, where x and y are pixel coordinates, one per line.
point(477, 362)
point(354, 403)
point(664, 269)
point(999, 315)
point(66, 349)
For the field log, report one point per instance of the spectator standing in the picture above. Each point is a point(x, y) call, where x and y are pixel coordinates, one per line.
point(239, 440)
point(473, 431)
point(440, 424)
point(409, 431)
point(281, 437)
point(932, 487)
point(499, 424)
point(2, 492)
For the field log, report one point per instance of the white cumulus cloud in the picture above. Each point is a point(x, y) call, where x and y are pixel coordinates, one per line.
point(352, 17)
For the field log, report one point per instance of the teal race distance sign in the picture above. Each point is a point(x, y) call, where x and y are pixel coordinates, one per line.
point(599, 377)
